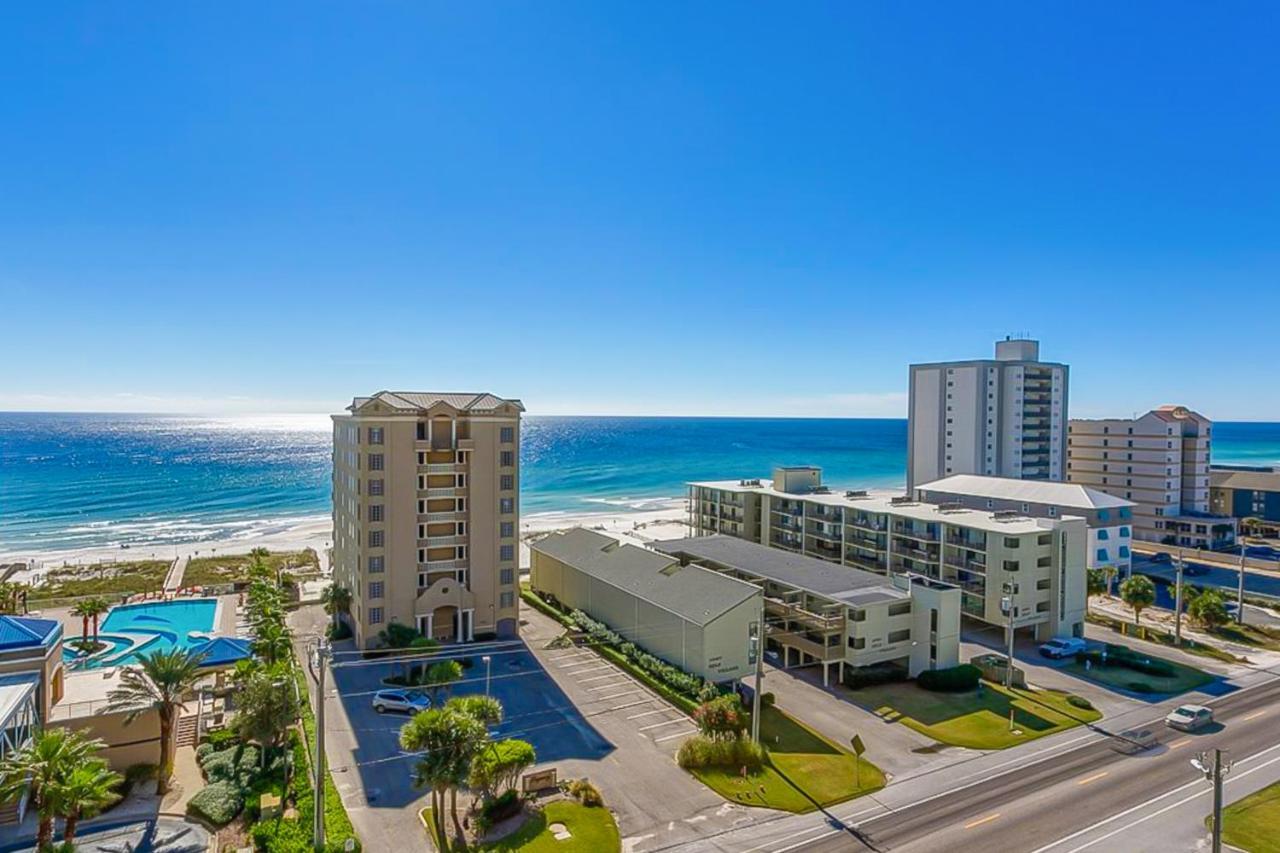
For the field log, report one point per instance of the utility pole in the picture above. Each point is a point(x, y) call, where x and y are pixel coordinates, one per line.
point(1177, 603)
point(1214, 769)
point(322, 663)
point(1244, 543)
point(755, 696)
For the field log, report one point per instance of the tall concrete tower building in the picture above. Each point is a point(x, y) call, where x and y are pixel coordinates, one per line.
point(426, 513)
point(1000, 417)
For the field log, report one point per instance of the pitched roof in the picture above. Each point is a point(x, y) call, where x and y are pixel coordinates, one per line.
point(842, 583)
point(468, 401)
point(1267, 480)
point(695, 594)
point(220, 651)
point(1071, 495)
point(24, 632)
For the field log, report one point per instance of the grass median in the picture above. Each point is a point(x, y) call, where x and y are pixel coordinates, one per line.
point(591, 830)
point(977, 719)
point(1253, 823)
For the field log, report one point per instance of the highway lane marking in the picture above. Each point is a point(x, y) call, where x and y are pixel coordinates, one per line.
point(980, 821)
point(1180, 743)
point(1094, 778)
point(804, 832)
point(1255, 715)
point(1155, 799)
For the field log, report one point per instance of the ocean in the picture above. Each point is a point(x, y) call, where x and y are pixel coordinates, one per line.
point(71, 481)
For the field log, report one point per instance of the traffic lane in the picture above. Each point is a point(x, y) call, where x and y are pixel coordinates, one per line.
point(1202, 574)
point(1007, 811)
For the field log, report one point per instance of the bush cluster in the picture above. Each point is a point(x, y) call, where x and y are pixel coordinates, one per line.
point(1079, 702)
point(702, 751)
point(505, 805)
point(1126, 657)
point(870, 676)
point(218, 802)
point(954, 679)
point(675, 678)
point(237, 764)
point(585, 792)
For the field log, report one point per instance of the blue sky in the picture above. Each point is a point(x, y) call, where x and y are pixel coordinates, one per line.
point(635, 208)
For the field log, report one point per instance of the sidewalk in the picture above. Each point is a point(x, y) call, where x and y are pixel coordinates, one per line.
point(1155, 617)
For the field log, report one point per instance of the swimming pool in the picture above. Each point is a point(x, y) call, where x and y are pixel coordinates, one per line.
point(133, 629)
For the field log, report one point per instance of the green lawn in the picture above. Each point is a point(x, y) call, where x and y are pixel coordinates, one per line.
point(1249, 635)
point(1184, 677)
point(110, 580)
point(804, 771)
point(1253, 823)
point(234, 568)
point(592, 829)
point(978, 719)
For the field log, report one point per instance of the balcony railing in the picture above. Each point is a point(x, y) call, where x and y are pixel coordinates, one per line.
point(915, 533)
point(442, 565)
point(807, 645)
point(816, 621)
point(449, 515)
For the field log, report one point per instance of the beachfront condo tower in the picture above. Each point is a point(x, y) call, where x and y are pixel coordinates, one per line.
point(1001, 417)
point(426, 514)
point(1160, 461)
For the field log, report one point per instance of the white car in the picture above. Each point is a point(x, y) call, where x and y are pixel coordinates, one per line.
point(408, 701)
point(1189, 718)
point(1063, 647)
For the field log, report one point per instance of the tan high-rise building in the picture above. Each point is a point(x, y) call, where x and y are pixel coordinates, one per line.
point(426, 513)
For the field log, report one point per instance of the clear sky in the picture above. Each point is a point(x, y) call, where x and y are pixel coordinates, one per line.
point(605, 207)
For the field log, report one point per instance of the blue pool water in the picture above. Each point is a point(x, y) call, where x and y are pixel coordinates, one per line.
point(134, 629)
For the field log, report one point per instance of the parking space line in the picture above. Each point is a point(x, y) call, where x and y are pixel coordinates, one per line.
point(676, 735)
point(663, 723)
point(650, 713)
point(587, 667)
point(596, 678)
point(618, 708)
point(613, 696)
point(612, 685)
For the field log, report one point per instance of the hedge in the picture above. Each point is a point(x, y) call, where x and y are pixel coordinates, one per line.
point(217, 802)
point(1126, 657)
point(952, 680)
point(702, 751)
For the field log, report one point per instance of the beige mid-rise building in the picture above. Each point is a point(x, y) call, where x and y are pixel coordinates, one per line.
point(1005, 562)
point(426, 513)
point(1160, 461)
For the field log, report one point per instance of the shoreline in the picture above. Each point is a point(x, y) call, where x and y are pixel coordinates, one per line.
point(652, 519)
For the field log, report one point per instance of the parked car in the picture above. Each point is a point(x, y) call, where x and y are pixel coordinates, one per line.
point(1062, 647)
point(1189, 718)
point(406, 701)
point(1161, 557)
point(1134, 740)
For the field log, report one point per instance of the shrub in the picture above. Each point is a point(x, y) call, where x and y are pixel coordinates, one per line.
point(498, 809)
point(1079, 702)
point(952, 680)
point(722, 718)
point(217, 802)
point(341, 631)
point(238, 764)
point(222, 738)
point(585, 792)
point(701, 751)
point(869, 676)
point(203, 751)
point(767, 700)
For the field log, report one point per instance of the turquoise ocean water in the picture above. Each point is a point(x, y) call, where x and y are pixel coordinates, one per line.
point(92, 480)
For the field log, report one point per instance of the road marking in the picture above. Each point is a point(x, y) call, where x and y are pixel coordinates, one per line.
point(676, 735)
point(1255, 715)
point(610, 686)
point(648, 713)
point(618, 708)
point(1180, 743)
point(613, 696)
point(980, 821)
point(659, 725)
point(1094, 778)
point(596, 677)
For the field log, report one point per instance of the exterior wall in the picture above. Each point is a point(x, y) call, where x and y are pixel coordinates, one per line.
point(444, 559)
point(718, 651)
point(45, 661)
point(935, 619)
point(127, 744)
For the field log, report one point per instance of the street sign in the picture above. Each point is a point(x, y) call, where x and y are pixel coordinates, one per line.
point(858, 747)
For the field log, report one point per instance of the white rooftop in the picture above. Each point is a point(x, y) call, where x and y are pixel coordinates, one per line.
point(977, 519)
point(1029, 491)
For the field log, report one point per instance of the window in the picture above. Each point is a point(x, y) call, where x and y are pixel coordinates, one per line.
point(506, 552)
point(1103, 515)
point(1124, 533)
point(507, 529)
point(375, 589)
point(1104, 535)
point(857, 642)
point(375, 512)
point(1044, 583)
point(375, 564)
point(1012, 542)
point(507, 435)
point(900, 636)
point(1124, 552)
point(1011, 565)
point(1102, 555)
point(506, 482)
point(375, 615)
point(507, 459)
point(506, 506)
point(375, 538)
point(1053, 511)
point(858, 616)
point(375, 461)
point(375, 435)
point(507, 577)
point(375, 487)
point(900, 609)
point(507, 599)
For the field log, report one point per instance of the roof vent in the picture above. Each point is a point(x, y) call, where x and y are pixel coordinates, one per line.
point(856, 493)
point(749, 482)
point(951, 507)
point(1006, 515)
point(902, 500)
point(821, 490)
point(670, 570)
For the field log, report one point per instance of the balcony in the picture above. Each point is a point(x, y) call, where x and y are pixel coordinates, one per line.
point(977, 566)
point(443, 468)
point(452, 515)
point(795, 512)
point(965, 542)
point(441, 541)
point(867, 524)
point(794, 612)
point(442, 565)
point(445, 492)
point(807, 645)
point(859, 561)
point(915, 553)
point(915, 533)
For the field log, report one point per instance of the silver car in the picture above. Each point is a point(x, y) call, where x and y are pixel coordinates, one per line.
point(1189, 718)
point(406, 701)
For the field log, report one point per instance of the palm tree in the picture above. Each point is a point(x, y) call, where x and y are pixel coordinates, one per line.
point(84, 792)
point(39, 767)
point(95, 607)
point(272, 643)
point(84, 609)
point(448, 739)
point(337, 602)
point(1139, 593)
point(159, 681)
point(1110, 573)
point(10, 593)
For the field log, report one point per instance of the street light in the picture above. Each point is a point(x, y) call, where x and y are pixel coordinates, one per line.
point(487, 661)
point(1214, 768)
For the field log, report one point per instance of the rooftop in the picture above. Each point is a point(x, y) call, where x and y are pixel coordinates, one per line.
point(1258, 479)
point(973, 518)
point(842, 583)
point(26, 632)
point(695, 594)
point(420, 401)
point(1030, 491)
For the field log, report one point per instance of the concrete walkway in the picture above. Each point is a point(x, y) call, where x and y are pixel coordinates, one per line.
point(173, 580)
point(186, 782)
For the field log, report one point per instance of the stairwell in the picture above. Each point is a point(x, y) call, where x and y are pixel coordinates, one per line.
point(188, 730)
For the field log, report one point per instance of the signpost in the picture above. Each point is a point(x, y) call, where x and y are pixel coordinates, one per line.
point(858, 749)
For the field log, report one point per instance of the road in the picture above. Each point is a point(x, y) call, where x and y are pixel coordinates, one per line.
point(1067, 803)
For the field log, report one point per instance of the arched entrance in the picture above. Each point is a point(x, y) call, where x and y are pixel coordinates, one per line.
point(444, 625)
